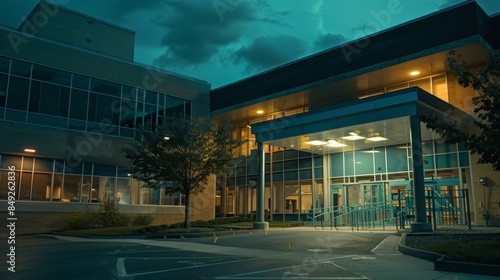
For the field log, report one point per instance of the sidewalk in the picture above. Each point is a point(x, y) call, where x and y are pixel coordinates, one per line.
point(390, 263)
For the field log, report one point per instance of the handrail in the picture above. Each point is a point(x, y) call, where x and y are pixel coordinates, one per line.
point(364, 215)
point(382, 213)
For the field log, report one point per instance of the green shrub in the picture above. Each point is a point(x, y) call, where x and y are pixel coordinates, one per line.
point(108, 213)
point(200, 223)
point(80, 220)
point(141, 231)
point(142, 220)
point(228, 220)
point(149, 229)
point(177, 225)
point(122, 220)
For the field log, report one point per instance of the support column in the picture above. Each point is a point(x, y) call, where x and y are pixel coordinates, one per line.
point(260, 223)
point(420, 224)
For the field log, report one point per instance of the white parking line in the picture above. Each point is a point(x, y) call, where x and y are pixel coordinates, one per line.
point(122, 266)
point(293, 277)
point(286, 275)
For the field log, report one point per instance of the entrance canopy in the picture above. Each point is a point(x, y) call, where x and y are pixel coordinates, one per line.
point(372, 121)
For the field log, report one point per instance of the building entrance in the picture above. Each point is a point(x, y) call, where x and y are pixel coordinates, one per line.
point(384, 203)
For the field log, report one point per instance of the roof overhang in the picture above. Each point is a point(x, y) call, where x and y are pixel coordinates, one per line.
point(352, 85)
point(384, 115)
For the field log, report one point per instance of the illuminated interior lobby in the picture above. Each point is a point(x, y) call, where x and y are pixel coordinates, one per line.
point(341, 128)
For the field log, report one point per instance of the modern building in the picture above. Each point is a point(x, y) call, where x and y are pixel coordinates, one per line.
point(334, 133)
point(339, 131)
point(71, 98)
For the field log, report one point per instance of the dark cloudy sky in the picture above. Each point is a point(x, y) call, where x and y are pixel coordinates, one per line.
point(222, 41)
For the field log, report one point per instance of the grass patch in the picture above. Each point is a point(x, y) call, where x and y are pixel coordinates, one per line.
point(274, 224)
point(131, 230)
point(197, 227)
point(474, 251)
point(108, 231)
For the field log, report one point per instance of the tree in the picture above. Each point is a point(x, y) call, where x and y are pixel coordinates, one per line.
point(484, 136)
point(182, 154)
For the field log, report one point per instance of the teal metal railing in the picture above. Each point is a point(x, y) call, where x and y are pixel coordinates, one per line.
point(374, 215)
point(441, 210)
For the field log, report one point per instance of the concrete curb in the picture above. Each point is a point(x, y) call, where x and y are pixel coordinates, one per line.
point(158, 235)
point(441, 264)
point(200, 234)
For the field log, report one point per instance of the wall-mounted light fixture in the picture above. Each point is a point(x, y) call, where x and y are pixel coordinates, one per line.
point(483, 181)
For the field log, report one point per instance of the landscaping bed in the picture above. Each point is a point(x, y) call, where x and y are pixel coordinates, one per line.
point(464, 246)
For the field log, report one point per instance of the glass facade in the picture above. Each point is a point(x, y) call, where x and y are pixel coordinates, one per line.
point(360, 177)
point(40, 95)
point(41, 179)
point(394, 162)
point(299, 182)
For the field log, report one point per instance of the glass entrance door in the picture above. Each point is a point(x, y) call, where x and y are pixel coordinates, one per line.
point(337, 197)
point(399, 203)
point(448, 203)
point(358, 195)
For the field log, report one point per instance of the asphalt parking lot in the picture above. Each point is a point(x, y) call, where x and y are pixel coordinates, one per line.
point(277, 254)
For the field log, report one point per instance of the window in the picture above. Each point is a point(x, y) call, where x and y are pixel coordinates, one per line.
point(129, 93)
point(86, 190)
point(57, 187)
point(78, 104)
point(150, 114)
point(174, 106)
point(20, 68)
point(25, 186)
point(44, 165)
point(49, 99)
point(71, 188)
point(18, 93)
point(105, 109)
point(140, 113)
point(123, 187)
point(440, 88)
point(150, 108)
point(4, 64)
point(423, 84)
point(43, 73)
point(92, 107)
point(41, 187)
point(10, 161)
point(103, 186)
point(81, 82)
point(3, 90)
point(127, 115)
point(105, 87)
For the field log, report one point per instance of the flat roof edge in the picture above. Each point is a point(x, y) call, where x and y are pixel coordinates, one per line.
point(403, 103)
